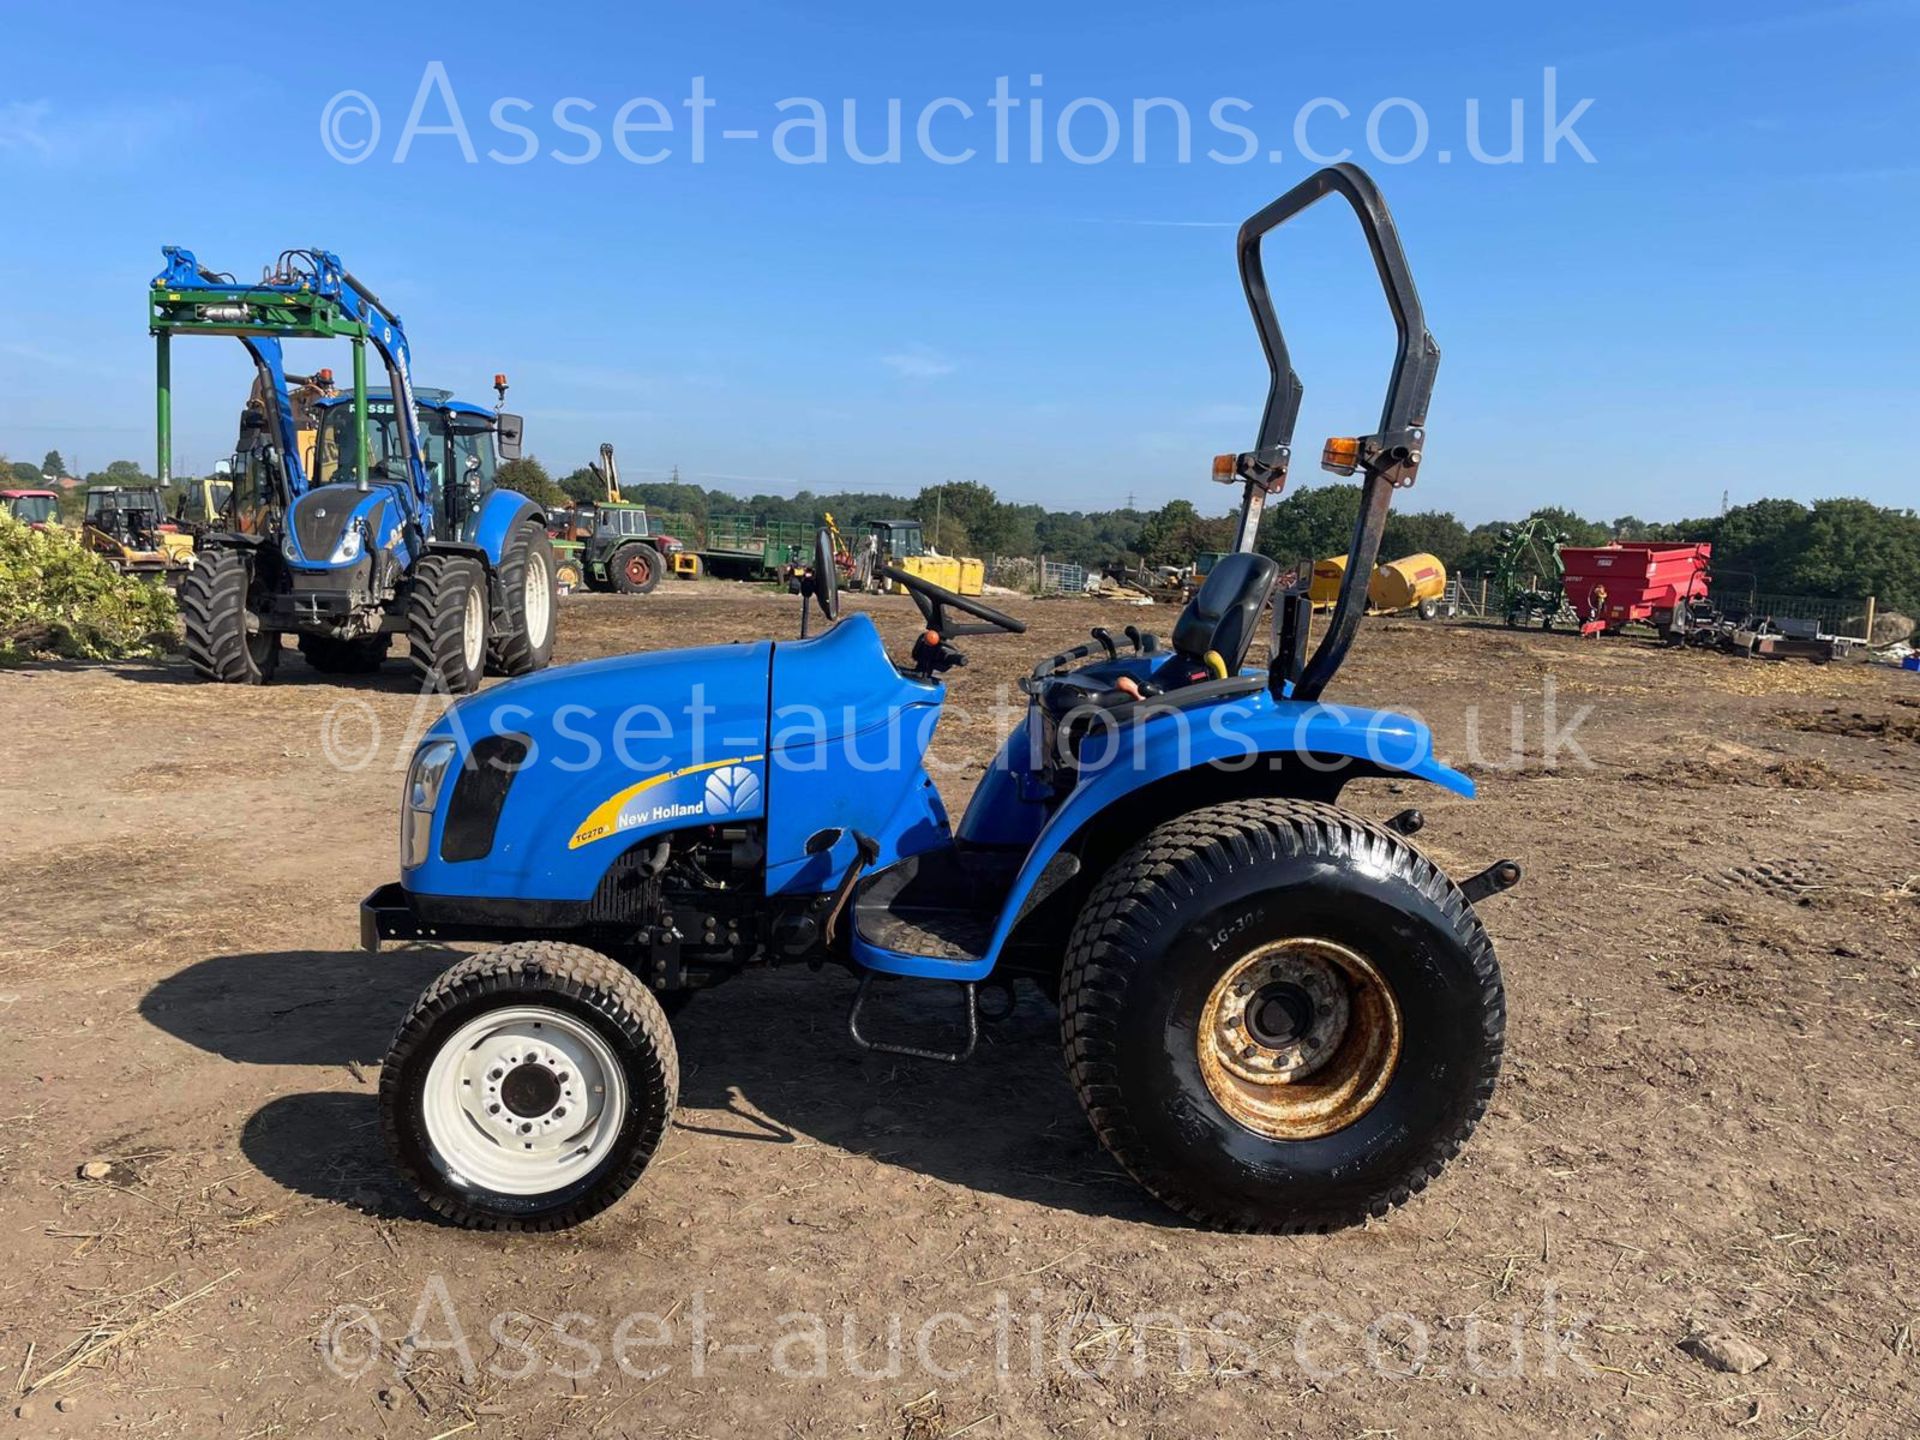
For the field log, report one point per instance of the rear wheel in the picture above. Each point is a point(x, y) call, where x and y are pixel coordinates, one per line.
point(527, 582)
point(529, 1087)
point(345, 657)
point(1279, 1017)
point(224, 640)
point(447, 623)
point(635, 569)
point(567, 573)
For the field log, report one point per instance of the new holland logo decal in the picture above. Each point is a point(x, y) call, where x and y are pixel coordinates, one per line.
point(730, 788)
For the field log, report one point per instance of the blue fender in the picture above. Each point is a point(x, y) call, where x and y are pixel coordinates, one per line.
point(499, 513)
point(1250, 733)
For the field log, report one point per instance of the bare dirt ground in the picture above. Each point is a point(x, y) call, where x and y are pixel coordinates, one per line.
point(1708, 1114)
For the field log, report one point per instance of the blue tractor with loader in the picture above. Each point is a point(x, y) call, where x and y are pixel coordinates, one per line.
point(397, 529)
point(1277, 1015)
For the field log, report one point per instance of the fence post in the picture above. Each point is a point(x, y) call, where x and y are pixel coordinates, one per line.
point(1870, 611)
point(1483, 594)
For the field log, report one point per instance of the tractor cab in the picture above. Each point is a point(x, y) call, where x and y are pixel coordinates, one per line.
point(36, 509)
point(128, 526)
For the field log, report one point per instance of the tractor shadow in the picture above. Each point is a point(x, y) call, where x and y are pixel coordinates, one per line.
point(393, 678)
point(765, 1061)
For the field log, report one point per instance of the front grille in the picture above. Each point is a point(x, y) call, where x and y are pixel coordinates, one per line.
point(320, 519)
point(479, 795)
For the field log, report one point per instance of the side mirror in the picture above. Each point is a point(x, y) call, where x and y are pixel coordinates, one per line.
point(826, 574)
point(822, 582)
point(507, 434)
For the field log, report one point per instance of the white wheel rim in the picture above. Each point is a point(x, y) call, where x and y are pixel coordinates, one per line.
point(523, 1101)
point(473, 628)
point(538, 600)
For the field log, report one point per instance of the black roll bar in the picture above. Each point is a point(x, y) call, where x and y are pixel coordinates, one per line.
point(1390, 457)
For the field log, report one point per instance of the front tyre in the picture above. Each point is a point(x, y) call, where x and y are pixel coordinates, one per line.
point(447, 623)
point(529, 1087)
point(225, 641)
point(531, 592)
point(1279, 1017)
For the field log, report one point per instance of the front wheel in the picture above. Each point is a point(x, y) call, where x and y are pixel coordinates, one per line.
point(529, 1087)
point(1279, 1017)
point(225, 641)
point(529, 587)
point(447, 623)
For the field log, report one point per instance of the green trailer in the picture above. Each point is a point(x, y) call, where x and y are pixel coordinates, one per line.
point(739, 547)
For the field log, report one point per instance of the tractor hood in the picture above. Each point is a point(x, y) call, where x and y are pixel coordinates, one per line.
point(335, 525)
point(595, 752)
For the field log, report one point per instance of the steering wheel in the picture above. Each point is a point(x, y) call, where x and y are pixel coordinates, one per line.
point(933, 600)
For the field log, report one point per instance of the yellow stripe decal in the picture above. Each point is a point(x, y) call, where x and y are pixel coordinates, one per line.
point(605, 819)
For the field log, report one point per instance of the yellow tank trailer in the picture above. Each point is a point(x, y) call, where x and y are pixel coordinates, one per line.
point(1405, 584)
point(1411, 583)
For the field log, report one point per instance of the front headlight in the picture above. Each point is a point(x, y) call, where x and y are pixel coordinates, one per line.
point(426, 778)
point(349, 547)
point(290, 550)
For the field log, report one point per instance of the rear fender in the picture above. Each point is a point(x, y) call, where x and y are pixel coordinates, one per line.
point(1170, 764)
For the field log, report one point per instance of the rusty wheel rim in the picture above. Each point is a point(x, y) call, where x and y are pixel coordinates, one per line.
point(1299, 1038)
point(638, 570)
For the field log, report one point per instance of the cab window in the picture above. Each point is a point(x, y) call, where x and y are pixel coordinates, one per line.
point(473, 442)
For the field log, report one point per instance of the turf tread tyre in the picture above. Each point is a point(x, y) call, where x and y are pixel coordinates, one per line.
point(510, 651)
point(436, 616)
point(1164, 881)
point(213, 610)
point(516, 974)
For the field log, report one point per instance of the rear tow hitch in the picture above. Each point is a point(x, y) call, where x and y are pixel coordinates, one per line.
point(1501, 875)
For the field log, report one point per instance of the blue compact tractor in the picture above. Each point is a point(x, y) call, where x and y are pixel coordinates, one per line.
point(1278, 1015)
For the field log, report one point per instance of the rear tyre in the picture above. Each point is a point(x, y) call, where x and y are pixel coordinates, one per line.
point(567, 573)
point(224, 640)
point(527, 582)
point(635, 569)
point(1279, 1017)
point(447, 623)
point(529, 1087)
point(345, 657)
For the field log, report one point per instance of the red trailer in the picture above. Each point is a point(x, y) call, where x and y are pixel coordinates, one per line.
point(1644, 580)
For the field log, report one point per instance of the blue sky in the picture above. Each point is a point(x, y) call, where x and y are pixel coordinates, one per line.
point(1722, 300)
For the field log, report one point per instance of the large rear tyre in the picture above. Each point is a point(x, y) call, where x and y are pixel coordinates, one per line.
point(224, 640)
point(345, 657)
point(635, 568)
point(447, 623)
point(531, 592)
point(529, 1087)
point(1279, 1017)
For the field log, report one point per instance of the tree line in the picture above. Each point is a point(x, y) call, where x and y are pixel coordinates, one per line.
point(1841, 547)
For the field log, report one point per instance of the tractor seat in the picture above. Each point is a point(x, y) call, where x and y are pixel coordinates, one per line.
point(1221, 618)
